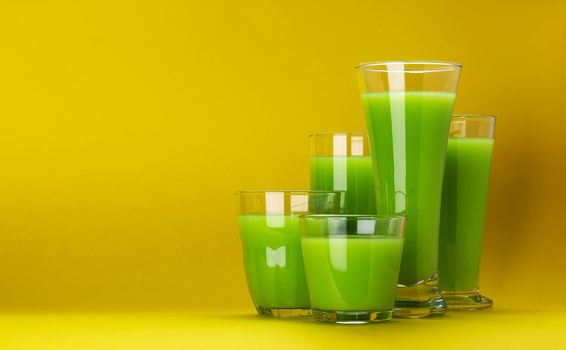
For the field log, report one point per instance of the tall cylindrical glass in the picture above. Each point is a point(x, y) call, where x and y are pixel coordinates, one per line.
point(464, 201)
point(408, 105)
point(271, 242)
point(341, 162)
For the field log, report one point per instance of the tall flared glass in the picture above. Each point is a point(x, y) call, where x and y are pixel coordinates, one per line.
point(408, 105)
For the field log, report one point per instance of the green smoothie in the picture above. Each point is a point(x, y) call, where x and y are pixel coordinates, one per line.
point(408, 133)
point(352, 174)
point(273, 260)
point(464, 199)
point(352, 273)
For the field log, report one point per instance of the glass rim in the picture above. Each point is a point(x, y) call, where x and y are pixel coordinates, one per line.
point(474, 116)
point(381, 66)
point(313, 217)
point(289, 191)
point(329, 133)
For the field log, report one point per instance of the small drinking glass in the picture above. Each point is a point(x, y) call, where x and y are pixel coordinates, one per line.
point(464, 201)
point(271, 242)
point(341, 161)
point(352, 266)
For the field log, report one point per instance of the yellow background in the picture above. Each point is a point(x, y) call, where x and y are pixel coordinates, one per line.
point(127, 126)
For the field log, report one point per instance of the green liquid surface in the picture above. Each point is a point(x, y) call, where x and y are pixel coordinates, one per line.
point(352, 273)
point(352, 174)
point(464, 200)
point(408, 133)
point(273, 260)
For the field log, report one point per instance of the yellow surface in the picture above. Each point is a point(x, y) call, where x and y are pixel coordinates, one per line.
point(501, 328)
point(127, 126)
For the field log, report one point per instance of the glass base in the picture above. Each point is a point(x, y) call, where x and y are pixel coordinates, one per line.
point(352, 317)
point(422, 299)
point(466, 301)
point(284, 313)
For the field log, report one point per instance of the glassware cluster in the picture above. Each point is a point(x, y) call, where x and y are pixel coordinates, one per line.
point(393, 223)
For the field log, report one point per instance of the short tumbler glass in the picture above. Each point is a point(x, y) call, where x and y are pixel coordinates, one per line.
point(271, 242)
point(352, 266)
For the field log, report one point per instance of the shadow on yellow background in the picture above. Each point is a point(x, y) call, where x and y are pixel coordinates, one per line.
point(128, 126)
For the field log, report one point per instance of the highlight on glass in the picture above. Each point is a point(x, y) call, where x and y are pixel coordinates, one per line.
point(408, 105)
point(340, 161)
point(464, 201)
point(271, 242)
point(352, 266)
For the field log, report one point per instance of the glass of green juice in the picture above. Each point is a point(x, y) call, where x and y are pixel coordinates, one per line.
point(352, 265)
point(464, 201)
point(271, 242)
point(341, 161)
point(408, 105)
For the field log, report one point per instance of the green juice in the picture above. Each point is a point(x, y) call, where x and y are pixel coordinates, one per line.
point(352, 273)
point(464, 200)
point(408, 132)
point(352, 174)
point(273, 260)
